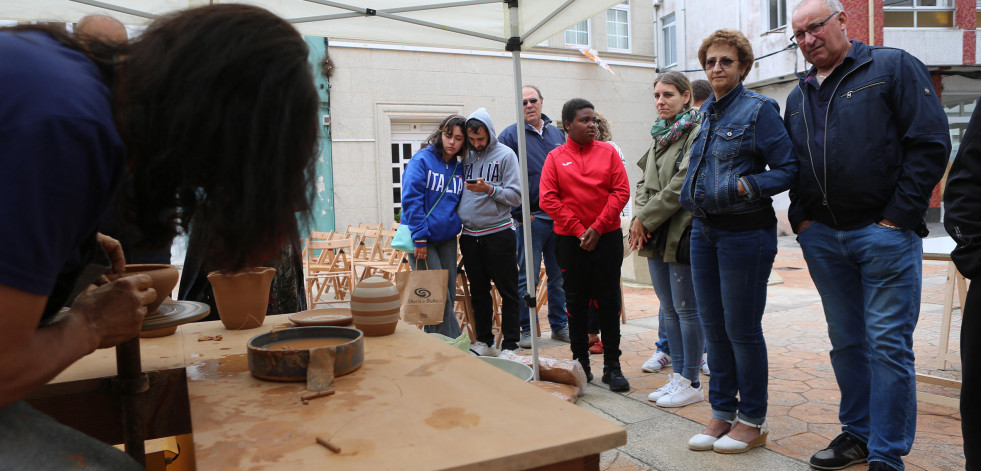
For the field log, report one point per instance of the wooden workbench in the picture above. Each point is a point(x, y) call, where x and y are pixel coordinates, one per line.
point(417, 403)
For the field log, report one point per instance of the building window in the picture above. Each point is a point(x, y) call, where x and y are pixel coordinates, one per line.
point(669, 40)
point(618, 27)
point(776, 14)
point(978, 19)
point(919, 13)
point(578, 35)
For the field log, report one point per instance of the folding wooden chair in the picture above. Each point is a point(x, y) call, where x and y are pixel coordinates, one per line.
point(328, 265)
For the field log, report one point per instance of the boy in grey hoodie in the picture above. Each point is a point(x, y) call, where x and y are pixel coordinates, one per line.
point(488, 243)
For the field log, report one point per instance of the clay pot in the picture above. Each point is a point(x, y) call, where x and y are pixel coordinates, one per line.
point(375, 306)
point(242, 298)
point(164, 279)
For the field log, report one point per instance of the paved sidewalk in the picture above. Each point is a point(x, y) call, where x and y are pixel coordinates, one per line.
point(803, 395)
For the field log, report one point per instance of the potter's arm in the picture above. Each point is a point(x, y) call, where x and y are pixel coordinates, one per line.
point(100, 318)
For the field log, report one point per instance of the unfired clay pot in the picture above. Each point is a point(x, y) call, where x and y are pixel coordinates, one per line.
point(375, 306)
point(164, 279)
point(242, 297)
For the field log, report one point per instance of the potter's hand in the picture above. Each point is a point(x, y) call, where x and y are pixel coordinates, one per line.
point(420, 254)
point(803, 225)
point(114, 311)
point(638, 235)
point(589, 239)
point(115, 251)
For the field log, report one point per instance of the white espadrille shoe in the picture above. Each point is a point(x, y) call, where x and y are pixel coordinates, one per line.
point(730, 445)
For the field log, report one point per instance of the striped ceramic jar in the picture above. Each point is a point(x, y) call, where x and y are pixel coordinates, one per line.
point(375, 306)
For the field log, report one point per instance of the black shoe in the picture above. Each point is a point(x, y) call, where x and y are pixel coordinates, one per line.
point(614, 377)
point(845, 450)
point(880, 466)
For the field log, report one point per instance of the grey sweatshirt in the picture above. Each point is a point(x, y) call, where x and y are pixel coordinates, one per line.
point(487, 213)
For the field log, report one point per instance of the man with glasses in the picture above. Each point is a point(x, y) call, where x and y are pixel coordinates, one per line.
point(872, 139)
point(540, 138)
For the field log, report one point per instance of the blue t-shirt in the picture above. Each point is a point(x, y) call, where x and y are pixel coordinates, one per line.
point(60, 158)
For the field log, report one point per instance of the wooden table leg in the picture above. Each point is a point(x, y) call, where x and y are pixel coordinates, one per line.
point(132, 384)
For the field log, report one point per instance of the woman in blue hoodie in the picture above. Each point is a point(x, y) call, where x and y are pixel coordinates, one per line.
point(431, 187)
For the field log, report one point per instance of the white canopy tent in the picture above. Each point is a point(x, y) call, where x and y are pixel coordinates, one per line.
point(511, 25)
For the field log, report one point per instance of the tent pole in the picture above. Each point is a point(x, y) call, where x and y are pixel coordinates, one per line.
point(531, 274)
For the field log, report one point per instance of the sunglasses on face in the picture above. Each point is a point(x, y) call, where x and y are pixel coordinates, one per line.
point(725, 62)
point(530, 100)
point(814, 30)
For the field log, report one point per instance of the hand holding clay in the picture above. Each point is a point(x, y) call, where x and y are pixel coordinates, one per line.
point(114, 250)
point(114, 312)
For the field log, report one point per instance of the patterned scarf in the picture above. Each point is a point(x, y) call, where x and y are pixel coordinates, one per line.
point(666, 132)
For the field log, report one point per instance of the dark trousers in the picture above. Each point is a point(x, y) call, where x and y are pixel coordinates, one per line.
point(971, 377)
point(491, 258)
point(595, 276)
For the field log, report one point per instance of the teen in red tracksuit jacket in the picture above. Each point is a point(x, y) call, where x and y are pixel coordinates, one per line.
point(583, 188)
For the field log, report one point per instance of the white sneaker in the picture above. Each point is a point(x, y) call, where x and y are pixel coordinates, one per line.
point(666, 389)
point(656, 362)
point(506, 354)
point(705, 365)
point(682, 395)
point(482, 349)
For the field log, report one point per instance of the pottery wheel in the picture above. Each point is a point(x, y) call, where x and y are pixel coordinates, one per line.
point(172, 313)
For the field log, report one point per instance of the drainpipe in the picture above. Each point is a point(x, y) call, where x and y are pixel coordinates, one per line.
point(871, 22)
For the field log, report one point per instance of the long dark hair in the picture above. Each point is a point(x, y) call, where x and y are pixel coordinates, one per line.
point(450, 122)
point(217, 107)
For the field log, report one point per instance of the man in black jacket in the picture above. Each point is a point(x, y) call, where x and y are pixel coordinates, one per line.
point(873, 141)
point(962, 219)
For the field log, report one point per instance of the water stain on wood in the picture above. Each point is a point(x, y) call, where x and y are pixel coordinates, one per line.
point(452, 417)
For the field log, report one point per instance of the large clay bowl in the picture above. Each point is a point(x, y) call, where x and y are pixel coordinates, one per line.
point(164, 279)
point(291, 365)
point(514, 368)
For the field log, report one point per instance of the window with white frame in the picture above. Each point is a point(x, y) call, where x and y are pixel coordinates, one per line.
point(776, 14)
point(669, 41)
point(618, 27)
point(919, 13)
point(578, 35)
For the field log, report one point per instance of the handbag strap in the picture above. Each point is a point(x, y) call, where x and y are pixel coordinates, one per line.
point(452, 174)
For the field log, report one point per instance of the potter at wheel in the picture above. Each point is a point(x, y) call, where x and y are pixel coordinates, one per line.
point(173, 313)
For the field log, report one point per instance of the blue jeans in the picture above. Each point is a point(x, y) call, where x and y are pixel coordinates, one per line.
point(442, 256)
point(542, 243)
point(679, 314)
point(869, 279)
point(730, 271)
point(662, 343)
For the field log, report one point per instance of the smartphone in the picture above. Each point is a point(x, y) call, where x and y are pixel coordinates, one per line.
point(472, 180)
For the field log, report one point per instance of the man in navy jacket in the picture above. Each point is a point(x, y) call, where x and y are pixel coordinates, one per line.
point(540, 138)
point(872, 140)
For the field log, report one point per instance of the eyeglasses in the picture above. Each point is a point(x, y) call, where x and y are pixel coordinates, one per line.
point(530, 100)
point(814, 30)
point(725, 62)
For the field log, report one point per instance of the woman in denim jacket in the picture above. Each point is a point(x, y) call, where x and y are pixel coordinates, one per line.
point(733, 238)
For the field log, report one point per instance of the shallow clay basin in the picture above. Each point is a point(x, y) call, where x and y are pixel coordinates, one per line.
point(269, 360)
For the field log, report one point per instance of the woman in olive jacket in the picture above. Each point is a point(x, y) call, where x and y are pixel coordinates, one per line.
point(659, 228)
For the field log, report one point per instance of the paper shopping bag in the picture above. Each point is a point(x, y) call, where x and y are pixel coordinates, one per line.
point(423, 294)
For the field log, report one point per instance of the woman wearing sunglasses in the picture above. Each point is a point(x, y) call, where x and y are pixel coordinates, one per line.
point(733, 238)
